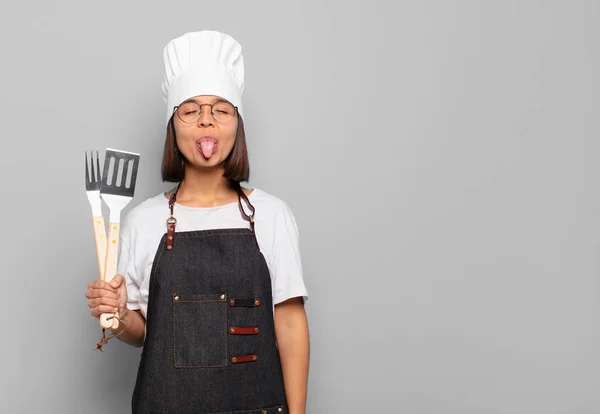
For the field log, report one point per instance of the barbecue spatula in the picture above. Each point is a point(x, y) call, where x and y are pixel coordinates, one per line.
point(116, 189)
point(92, 187)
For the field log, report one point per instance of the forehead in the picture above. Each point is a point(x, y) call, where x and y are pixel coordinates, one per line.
point(209, 99)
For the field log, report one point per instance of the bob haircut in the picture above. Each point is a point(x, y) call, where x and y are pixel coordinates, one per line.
point(237, 166)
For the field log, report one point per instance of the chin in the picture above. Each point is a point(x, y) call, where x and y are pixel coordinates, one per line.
point(211, 162)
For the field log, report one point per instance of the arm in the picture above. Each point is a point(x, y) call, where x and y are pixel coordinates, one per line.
point(106, 297)
point(134, 327)
point(291, 331)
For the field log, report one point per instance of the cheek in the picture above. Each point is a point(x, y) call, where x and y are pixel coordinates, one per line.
point(183, 134)
point(228, 137)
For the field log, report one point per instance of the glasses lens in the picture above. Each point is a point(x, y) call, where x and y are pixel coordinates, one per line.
point(223, 111)
point(188, 112)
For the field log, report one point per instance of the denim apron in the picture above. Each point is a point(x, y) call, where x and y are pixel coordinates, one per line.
point(210, 337)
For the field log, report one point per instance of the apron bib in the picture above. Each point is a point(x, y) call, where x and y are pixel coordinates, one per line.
point(210, 343)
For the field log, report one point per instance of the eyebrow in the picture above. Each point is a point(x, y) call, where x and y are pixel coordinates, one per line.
point(193, 100)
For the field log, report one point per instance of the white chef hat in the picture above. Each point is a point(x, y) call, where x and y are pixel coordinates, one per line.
point(203, 63)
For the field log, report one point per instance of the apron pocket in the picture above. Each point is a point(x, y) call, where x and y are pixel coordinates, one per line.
point(200, 330)
point(277, 409)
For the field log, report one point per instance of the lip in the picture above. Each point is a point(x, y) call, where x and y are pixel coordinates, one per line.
point(207, 138)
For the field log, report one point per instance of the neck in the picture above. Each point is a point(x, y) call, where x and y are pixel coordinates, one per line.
point(207, 188)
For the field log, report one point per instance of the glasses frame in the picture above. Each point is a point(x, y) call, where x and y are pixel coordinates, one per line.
point(235, 111)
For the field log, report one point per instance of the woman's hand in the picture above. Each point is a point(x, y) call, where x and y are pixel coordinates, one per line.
point(105, 297)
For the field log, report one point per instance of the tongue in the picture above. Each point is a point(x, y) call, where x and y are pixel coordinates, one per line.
point(207, 148)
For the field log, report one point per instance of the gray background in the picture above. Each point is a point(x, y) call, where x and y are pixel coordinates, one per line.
point(441, 159)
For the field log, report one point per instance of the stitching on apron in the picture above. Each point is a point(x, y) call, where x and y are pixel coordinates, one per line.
point(227, 336)
point(271, 409)
point(173, 325)
point(209, 235)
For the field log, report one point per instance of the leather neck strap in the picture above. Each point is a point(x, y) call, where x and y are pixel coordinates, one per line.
point(241, 195)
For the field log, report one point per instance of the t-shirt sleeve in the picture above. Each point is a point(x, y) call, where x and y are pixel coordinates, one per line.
point(126, 265)
point(286, 267)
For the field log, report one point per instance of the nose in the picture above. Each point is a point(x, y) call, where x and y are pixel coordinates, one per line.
point(206, 117)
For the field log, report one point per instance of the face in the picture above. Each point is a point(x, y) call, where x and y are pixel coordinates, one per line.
point(206, 142)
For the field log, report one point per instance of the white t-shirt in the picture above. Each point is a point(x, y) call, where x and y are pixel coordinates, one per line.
point(275, 227)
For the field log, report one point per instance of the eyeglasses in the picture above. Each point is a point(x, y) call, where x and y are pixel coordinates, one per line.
point(190, 112)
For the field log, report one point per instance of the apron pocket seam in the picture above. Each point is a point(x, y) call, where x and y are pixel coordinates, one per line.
point(201, 338)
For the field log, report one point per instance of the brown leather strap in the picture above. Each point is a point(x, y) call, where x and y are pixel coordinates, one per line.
point(243, 330)
point(172, 221)
point(245, 302)
point(243, 358)
point(249, 218)
point(104, 340)
point(172, 199)
point(242, 195)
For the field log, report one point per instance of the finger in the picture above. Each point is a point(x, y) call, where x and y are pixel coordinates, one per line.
point(91, 293)
point(106, 286)
point(103, 293)
point(95, 284)
point(99, 310)
point(101, 284)
point(109, 293)
point(117, 281)
point(92, 303)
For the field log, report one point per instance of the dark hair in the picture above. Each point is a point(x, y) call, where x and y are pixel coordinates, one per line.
point(237, 166)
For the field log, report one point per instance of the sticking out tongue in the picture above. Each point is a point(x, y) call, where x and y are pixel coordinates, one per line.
point(207, 148)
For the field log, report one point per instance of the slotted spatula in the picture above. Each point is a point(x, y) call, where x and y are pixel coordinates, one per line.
point(92, 187)
point(117, 189)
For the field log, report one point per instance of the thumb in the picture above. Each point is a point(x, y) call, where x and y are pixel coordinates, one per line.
point(116, 281)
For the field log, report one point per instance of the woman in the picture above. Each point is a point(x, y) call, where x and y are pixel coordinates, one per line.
point(215, 295)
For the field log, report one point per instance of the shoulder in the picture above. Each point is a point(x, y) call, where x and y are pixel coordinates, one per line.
point(150, 206)
point(269, 205)
point(146, 212)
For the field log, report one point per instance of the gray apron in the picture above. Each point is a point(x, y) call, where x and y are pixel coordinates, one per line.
point(210, 336)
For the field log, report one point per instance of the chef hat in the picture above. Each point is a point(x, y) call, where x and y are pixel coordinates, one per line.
point(203, 63)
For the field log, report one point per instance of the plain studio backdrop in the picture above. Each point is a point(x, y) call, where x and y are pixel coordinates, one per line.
point(441, 159)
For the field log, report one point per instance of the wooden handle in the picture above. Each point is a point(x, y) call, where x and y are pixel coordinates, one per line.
point(109, 323)
point(110, 270)
point(100, 239)
point(110, 267)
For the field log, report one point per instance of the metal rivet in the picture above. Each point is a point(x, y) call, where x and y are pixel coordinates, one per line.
point(231, 302)
point(222, 296)
point(264, 411)
point(254, 357)
point(256, 302)
point(169, 247)
point(255, 329)
point(280, 409)
point(234, 359)
point(231, 330)
point(170, 237)
point(176, 298)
